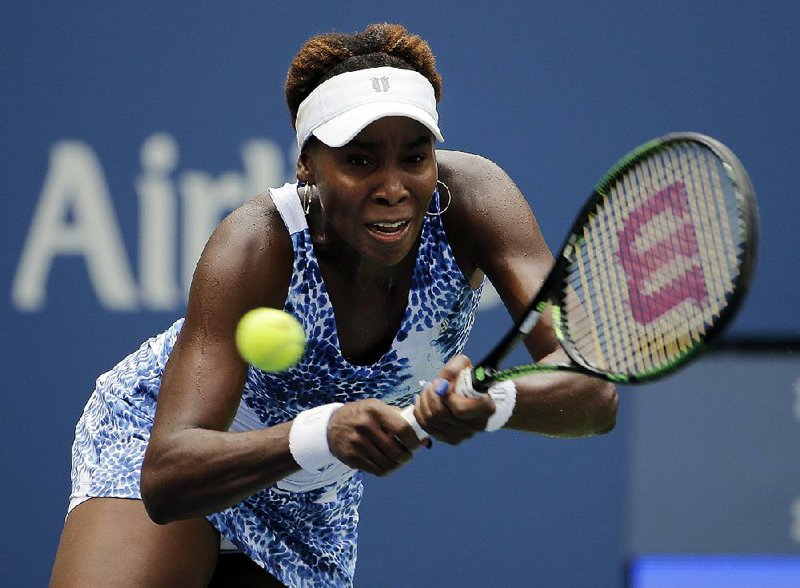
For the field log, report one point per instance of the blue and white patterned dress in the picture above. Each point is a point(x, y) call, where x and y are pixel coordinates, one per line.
point(302, 530)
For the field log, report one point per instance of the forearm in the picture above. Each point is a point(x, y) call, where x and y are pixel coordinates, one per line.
point(196, 471)
point(563, 404)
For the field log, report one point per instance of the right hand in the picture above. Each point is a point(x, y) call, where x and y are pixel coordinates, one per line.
point(450, 417)
point(370, 435)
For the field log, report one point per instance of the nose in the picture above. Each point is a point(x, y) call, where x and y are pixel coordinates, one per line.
point(391, 189)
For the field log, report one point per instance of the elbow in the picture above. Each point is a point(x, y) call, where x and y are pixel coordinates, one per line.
point(153, 504)
point(606, 404)
point(155, 496)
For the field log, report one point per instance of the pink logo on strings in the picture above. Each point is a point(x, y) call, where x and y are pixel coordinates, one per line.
point(642, 266)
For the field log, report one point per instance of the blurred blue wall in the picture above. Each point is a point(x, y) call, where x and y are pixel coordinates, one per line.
point(132, 123)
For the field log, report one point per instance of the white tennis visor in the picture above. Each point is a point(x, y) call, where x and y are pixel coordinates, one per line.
point(339, 108)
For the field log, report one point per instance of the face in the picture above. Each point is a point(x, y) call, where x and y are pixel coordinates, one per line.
point(375, 190)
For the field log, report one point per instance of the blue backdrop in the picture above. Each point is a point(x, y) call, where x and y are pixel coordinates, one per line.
point(127, 130)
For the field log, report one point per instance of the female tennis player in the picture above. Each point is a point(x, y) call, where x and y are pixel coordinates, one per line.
point(380, 250)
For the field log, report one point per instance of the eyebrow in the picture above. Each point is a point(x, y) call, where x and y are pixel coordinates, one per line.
point(370, 145)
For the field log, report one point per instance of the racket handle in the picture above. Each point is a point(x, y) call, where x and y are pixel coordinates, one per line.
point(408, 414)
point(468, 387)
point(463, 387)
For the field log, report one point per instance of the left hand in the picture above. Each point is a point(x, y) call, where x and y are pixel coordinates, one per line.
point(450, 417)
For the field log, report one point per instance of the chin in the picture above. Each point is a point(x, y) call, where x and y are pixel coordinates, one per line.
point(388, 254)
point(389, 260)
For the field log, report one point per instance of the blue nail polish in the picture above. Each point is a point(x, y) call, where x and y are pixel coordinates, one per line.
point(441, 388)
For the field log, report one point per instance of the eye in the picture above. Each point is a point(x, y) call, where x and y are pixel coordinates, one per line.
point(358, 160)
point(416, 158)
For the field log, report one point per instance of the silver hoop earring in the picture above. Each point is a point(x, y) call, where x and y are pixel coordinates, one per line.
point(449, 200)
point(305, 197)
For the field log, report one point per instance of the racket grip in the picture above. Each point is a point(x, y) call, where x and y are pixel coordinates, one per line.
point(408, 414)
point(465, 385)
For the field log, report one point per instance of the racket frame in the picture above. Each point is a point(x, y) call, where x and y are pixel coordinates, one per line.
point(487, 371)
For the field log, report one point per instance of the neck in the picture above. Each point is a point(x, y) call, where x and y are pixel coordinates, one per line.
point(361, 273)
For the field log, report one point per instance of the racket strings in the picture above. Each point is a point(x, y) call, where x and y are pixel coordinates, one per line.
point(656, 263)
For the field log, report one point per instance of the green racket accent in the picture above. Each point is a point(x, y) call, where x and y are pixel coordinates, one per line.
point(556, 314)
point(482, 375)
point(623, 164)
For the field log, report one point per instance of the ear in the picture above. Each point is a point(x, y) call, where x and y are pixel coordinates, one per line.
point(304, 168)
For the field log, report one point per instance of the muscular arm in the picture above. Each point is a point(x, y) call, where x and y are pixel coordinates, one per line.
point(492, 230)
point(188, 467)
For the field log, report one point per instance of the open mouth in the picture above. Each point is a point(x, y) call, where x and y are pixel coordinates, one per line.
point(389, 228)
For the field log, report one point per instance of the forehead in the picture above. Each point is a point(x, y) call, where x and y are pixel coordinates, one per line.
point(394, 130)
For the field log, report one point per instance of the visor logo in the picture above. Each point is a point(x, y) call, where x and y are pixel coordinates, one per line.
point(380, 84)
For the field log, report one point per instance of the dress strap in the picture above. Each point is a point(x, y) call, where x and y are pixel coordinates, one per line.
point(288, 204)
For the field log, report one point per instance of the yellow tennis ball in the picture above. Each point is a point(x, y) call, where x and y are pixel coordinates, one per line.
point(270, 339)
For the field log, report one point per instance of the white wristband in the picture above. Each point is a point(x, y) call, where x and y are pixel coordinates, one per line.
point(308, 438)
point(504, 395)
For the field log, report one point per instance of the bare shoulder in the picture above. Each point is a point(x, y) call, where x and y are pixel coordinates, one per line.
point(255, 219)
point(487, 208)
point(250, 252)
point(482, 192)
point(471, 175)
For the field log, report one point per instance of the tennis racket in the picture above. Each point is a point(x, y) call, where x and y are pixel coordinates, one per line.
point(654, 267)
